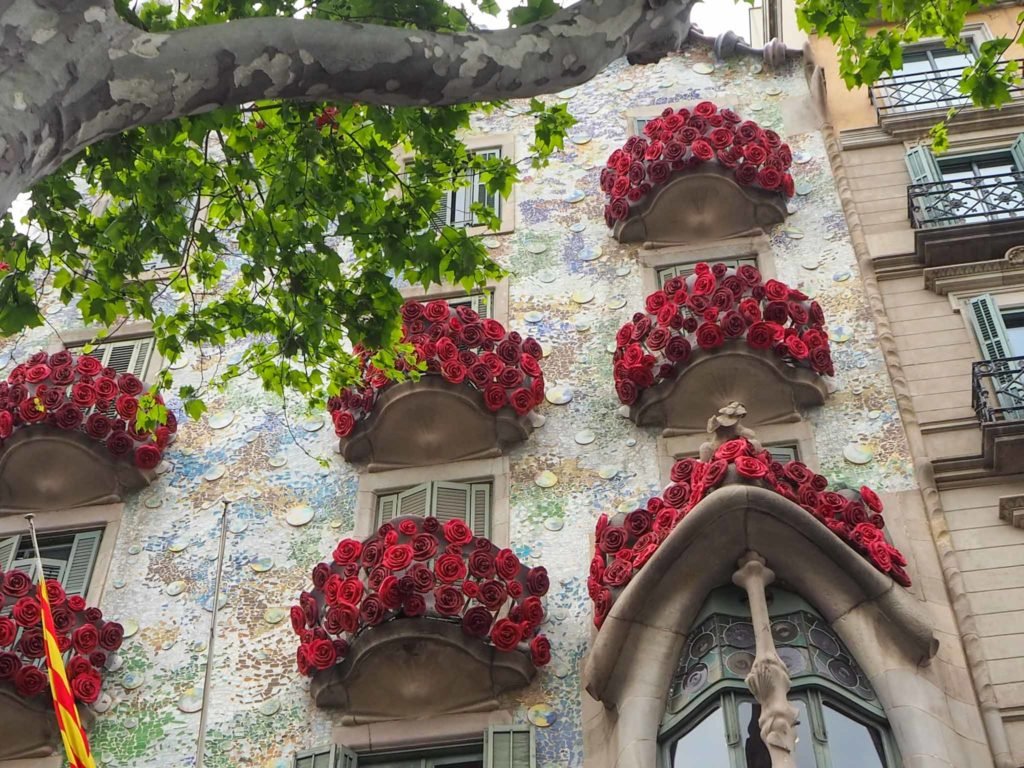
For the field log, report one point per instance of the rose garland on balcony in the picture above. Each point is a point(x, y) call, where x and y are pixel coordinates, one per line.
point(79, 629)
point(680, 140)
point(462, 347)
point(708, 308)
point(59, 389)
point(415, 566)
point(626, 542)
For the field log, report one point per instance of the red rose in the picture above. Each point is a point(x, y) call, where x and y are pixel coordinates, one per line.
point(147, 456)
point(715, 472)
point(31, 644)
point(751, 467)
point(29, 681)
point(540, 651)
point(788, 185)
point(424, 546)
point(436, 311)
point(88, 366)
point(9, 665)
point(821, 361)
point(76, 603)
point(453, 371)
point(506, 634)
point(721, 138)
point(408, 527)
point(347, 551)
point(397, 557)
point(746, 174)
point(130, 384)
point(532, 611)
point(659, 171)
point(322, 654)
point(37, 373)
point(702, 150)
point(494, 397)
point(78, 665)
point(522, 401)
point(871, 499)
point(880, 554)
point(769, 178)
point(448, 600)
point(537, 581)
point(612, 539)
point(55, 593)
point(507, 564)
point(344, 423)
point(733, 324)
point(119, 444)
point(619, 572)
point(85, 638)
point(709, 336)
point(450, 568)
point(26, 611)
point(8, 631)
point(372, 610)
point(302, 660)
point(476, 622)
point(6, 424)
point(481, 564)
point(492, 594)
point(389, 593)
point(298, 619)
point(83, 395)
point(86, 687)
point(457, 532)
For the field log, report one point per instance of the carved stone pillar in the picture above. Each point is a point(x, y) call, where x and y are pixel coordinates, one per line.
point(768, 679)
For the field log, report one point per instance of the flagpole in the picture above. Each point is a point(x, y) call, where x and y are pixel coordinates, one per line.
point(208, 677)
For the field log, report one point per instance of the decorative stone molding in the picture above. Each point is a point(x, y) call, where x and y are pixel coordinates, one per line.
point(430, 663)
point(50, 468)
point(701, 206)
point(28, 727)
point(734, 372)
point(1011, 510)
point(977, 275)
point(768, 679)
point(924, 472)
point(430, 421)
point(419, 620)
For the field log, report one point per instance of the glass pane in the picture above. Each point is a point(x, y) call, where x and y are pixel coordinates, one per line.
point(703, 747)
point(755, 750)
point(1015, 333)
point(852, 744)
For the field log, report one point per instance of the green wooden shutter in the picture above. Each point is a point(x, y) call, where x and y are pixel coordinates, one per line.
point(81, 562)
point(783, 453)
point(480, 509)
point(325, 757)
point(1017, 150)
point(509, 746)
point(346, 758)
point(8, 549)
point(450, 501)
point(386, 506)
point(923, 169)
point(989, 328)
point(414, 501)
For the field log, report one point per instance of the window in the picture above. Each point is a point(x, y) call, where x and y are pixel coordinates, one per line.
point(455, 207)
point(711, 719)
point(966, 189)
point(502, 747)
point(639, 123)
point(998, 389)
point(481, 302)
point(470, 502)
point(67, 556)
point(928, 79)
point(686, 269)
point(123, 355)
point(784, 453)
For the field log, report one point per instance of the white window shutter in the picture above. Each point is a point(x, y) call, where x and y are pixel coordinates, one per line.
point(386, 506)
point(8, 549)
point(480, 509)
point(450, 501)
point(81, 562)
point(478, 302)
point(481, 195)
point(440, 217)
point(128, 356)
point(414, 501)
point(924, 169)
point(989, 328)
point(509, 746)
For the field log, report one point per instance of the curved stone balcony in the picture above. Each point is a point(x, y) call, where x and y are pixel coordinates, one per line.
point(67, 412)
point(420, 619)
point(722, 335)
point(474, 394)
point(697, 174)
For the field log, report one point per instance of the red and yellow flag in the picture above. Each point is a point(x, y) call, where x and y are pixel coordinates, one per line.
point(76, 745)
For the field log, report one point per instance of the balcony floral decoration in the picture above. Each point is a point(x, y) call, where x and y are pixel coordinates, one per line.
point(714, 305)
point(76, 394)
point(483, 382)
point(418, 573)
point(627, 541)
point(682, 140)
point(80, 630)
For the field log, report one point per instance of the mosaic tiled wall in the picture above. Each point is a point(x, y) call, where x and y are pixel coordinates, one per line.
point(571, 287)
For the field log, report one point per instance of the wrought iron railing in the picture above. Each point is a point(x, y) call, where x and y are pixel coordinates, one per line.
point(997, 390)
point(996, 197)
point(919, 91)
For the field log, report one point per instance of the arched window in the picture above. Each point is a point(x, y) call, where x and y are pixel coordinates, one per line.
point(711, 718)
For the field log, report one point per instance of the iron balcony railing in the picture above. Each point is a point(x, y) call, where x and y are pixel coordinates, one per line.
point(995, 197)
point(937, 89)
point(997, 390)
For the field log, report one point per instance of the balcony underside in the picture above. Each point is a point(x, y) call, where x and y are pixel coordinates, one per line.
point(942, 246)
point(28, 727)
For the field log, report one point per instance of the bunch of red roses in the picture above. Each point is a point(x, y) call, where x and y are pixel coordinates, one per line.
point(76, 393)
point(714, 305)
point(415, 566)
point(682, 139)
point(460, 346)
point(79, 629)
point(626, 542)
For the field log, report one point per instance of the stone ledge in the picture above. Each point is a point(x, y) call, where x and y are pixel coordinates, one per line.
point(28, 727)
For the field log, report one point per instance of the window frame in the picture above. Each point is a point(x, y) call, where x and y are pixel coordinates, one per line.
point(653, 259)
point(498, 300)
point(75, 339)
point(430, 506)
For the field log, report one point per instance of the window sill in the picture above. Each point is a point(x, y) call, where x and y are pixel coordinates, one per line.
point(911, 124)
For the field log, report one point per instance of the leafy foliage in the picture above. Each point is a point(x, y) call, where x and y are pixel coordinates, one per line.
point(868, 51)
point(283, 224)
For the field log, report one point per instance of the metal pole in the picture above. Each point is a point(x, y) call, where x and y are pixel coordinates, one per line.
point(201, 742)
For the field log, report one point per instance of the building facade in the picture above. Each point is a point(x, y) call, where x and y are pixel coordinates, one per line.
point(767, 619)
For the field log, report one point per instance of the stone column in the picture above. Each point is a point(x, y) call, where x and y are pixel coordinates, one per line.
point(768, 679)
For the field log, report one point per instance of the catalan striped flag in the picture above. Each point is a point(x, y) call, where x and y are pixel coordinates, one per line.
point(76, 744)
